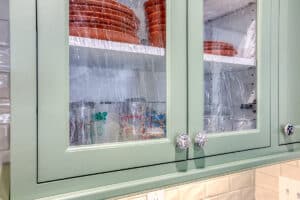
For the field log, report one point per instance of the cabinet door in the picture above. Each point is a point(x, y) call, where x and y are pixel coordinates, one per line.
point(229, 90)
point(289, 70)
point(112, 81)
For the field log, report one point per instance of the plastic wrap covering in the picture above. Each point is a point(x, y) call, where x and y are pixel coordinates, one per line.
point(117, 71)
point(4, 40)
point(230, 66)
point(4, 101)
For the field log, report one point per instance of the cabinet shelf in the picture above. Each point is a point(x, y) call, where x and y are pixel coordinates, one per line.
point(93, 52)
point(115, 46)
point(215, 63)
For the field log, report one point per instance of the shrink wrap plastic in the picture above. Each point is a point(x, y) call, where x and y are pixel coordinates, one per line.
point(117, 74)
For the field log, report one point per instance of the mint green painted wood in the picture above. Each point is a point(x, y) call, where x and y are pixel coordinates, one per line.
point(161, 181)
point(235, 141)
point(24, 184)
point(289, 69)
point(55, 159)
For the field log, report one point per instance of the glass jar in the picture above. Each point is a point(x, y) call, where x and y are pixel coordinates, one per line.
point(83, 119)
point(133, 119)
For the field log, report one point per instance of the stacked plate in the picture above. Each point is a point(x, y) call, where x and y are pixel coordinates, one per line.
point(156, 16)
point(103, 20)
point(219, 48)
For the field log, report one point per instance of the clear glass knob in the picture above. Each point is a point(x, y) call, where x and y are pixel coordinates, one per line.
point(183, 141)
point(201, 139)
point(289, 129)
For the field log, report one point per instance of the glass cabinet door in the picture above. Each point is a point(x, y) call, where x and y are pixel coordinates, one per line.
point(111, 85)
point(289, 70)
point(228, 75)
point(5, 166)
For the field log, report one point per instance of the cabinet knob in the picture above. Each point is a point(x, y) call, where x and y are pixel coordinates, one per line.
point(289, 129)
point(183, 141)
point(201, 139)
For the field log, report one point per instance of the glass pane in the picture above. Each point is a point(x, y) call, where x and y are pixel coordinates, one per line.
point(4, 101)
point(117, 70)
point(230, 65)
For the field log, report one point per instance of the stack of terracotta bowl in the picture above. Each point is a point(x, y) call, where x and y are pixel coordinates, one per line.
point(103, 20)
point(156, 17)
point(219, 48)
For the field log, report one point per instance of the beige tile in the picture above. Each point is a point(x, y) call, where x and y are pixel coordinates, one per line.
point(193, 191)
point(141, 197)
point(295, 190)
point(267, 181)
point(172, 194)
point(285, 188)
point(292, 163)
point(236, 195)
point(120, 198)
point(131, 197)
point(284, 183)
point(248, 193)
point(265, 194)
point(273, 170)
point(241, 180)
point(289, 171)
point(284, 195)
point(289, 188)
point(217, 186)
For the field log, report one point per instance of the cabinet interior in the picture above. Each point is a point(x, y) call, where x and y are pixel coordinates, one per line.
point(125, 80)
point(230, 81)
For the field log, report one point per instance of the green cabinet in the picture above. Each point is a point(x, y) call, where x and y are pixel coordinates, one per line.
point(289, 69)
point(229, 96)
point(106, 105)
point(123, 96)
point(117, 81)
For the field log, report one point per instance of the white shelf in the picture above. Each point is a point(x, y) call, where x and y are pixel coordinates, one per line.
point(115, 46)
point(216, 63)
point(229, 60)
point(104, 54)
point(101, 53)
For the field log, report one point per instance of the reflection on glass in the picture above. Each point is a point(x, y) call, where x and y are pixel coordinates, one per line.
point(230, 65)
point(117, 71)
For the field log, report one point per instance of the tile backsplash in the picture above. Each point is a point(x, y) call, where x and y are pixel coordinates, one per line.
point(278, 182)
point(230, 187)
point(275, 182)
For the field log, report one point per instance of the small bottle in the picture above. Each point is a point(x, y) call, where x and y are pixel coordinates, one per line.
point(99, 122)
